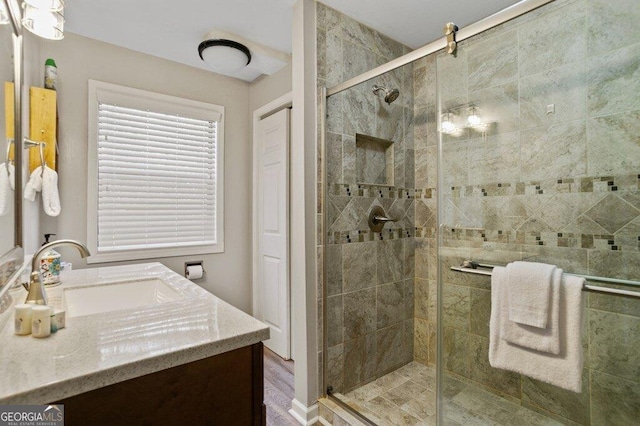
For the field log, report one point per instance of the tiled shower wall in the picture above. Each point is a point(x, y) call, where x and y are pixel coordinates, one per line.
point(370, 276)
point(560, 187)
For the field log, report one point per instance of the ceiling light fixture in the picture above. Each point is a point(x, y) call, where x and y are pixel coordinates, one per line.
point(44, 18)
point(224, 56)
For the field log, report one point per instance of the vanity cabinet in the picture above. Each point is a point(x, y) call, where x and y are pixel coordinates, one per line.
point(226, 389)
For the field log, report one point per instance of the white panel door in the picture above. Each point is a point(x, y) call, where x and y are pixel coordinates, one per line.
point(273, 230)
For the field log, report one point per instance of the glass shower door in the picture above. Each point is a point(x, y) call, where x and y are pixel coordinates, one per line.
point(539, 160)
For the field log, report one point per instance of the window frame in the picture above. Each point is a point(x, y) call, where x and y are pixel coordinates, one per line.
point(141, 99)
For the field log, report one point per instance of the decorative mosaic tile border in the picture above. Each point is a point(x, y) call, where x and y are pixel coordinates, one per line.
point(371, 191)
point(548, 186)
point(478, 236)
point(551, 186)
point(551, 239)
point(346, 237)
point(358, 236)
point(375, 191)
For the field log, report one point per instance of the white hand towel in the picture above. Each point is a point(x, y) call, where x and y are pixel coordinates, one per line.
point(564, 369)
point(12, 176)
point(34, 185)
point(5, 191)
point(541, 339)
point(529, 292)
point(50, 195)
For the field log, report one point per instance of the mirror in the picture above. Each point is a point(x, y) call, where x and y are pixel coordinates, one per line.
point(7, 208)
point(11, 254)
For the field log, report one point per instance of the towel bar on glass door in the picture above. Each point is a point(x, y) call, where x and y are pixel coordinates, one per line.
point(471, 267)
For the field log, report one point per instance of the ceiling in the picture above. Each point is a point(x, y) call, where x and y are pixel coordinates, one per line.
point(173, 29)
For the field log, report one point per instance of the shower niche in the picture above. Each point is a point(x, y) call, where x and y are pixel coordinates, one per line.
point(374, 160)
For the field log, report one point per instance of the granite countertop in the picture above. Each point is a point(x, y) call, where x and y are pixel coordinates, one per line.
point(98, 350)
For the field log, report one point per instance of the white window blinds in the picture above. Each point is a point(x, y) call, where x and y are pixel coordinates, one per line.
point(157, 179)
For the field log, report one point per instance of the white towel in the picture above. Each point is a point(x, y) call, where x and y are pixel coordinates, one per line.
point(563, 370)
point(12, 176)
point(6, 200)
point(34, 185)
point(529, 292)
point(50, 195)
point(541, 339)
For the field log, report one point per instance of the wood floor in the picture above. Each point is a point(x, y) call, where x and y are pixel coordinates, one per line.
point(278, 389)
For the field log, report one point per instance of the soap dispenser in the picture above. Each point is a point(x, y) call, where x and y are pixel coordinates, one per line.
point(50, 264)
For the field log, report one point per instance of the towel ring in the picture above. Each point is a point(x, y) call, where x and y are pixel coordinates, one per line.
point(6, 164)
point(28, 143)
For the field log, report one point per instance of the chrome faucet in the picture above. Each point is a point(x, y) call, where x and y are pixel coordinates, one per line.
point(36, 291)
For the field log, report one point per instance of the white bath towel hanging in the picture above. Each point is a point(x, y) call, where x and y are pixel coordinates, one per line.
point(12, 176)
point(50, 194)
point(564, 369)
point(541, 339)
point(34, 185)
point(6, 198)
point(529, 292)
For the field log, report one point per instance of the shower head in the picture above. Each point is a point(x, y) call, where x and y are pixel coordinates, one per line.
point(390, 95)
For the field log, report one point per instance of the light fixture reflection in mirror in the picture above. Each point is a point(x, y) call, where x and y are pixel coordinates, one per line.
point(447, 123)
point(454, 121)
point(473, 117)
point(4, 14)
point(46, 23)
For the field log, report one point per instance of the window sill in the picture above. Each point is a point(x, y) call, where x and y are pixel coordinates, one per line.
point(120, 256)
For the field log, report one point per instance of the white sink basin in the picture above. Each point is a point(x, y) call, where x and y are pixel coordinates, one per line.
point(117, 296)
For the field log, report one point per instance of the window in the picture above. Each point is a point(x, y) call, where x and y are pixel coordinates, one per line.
point(155, 186)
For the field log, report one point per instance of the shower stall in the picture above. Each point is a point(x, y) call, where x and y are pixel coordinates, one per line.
point(520, 145)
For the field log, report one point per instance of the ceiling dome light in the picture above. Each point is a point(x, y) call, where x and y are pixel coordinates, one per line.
point(224, 56)
point(45, 23)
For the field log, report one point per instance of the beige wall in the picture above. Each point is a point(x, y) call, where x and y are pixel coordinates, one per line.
point(80, 59)
point(269, 87)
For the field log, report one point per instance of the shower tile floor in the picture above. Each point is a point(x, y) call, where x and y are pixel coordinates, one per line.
point(407, 397)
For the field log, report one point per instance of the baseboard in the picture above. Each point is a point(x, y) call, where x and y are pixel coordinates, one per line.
point(304, 415)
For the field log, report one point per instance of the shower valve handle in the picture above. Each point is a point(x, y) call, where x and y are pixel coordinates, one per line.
point(383, 219)
point(377, 219)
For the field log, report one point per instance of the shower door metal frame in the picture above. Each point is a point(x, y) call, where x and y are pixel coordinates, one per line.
point(521, 8)
point(511, 12)
point(322, 112)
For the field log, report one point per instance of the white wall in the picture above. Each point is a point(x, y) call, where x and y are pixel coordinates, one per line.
point(303, 213)
point(80, 59)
